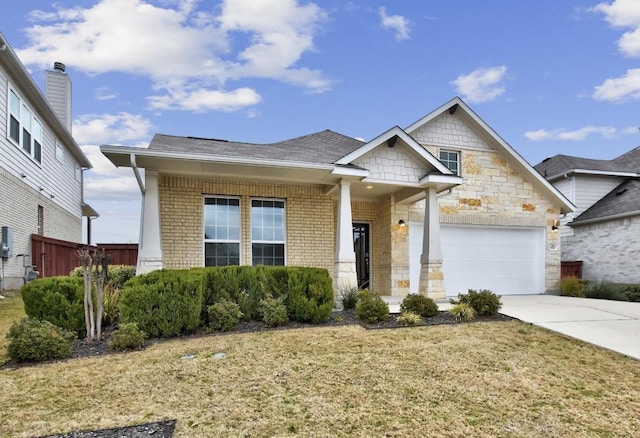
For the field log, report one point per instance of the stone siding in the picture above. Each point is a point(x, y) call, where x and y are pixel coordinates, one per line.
point(609, 250)
point(392, 164)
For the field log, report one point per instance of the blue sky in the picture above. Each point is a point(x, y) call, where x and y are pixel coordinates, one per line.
point(551, 77)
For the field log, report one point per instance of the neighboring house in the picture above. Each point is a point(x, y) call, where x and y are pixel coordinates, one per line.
point(439, 207)
point(604, 231)
point(40, 165)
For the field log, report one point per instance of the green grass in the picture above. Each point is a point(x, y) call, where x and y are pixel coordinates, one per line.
point(480, 379)
point(11, 309)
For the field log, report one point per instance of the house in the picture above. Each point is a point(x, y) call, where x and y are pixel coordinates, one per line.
point(604, 231)
point(41, 165)
point(436, 208)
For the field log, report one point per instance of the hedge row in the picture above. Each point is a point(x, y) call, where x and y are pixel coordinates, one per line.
point(172, 302)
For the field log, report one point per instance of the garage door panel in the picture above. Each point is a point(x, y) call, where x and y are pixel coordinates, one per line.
point(505, 260)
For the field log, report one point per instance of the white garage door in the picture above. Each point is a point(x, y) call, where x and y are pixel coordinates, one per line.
point(507, 261)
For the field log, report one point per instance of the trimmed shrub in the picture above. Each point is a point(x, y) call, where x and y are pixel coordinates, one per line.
point(371, 308)
point(632, 291)
point(163, 303)
point(604, 290)
point(310, 295)
point(127, 337)
point(118, 275)
point(571, 287)
point(419, 304)
point(349, 298)
point(463, 312)
point(274, 312)
point(485, 302)
point(32, 340)
point(59, 300)
point(224, 316)
point(410, 319)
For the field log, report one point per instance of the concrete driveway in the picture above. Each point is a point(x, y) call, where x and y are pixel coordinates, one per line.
point(614, 325)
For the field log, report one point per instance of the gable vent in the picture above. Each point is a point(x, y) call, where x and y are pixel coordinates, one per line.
point(621, 192)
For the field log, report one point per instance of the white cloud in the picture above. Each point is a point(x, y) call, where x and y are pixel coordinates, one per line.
point(620, 89)
point(104, 181)
point(482, 84)
point(201, 100)
point(184, 51)
point(576, 135)
point(623, 14)
point(104, 93)
point(397, 23)
point(111, 128)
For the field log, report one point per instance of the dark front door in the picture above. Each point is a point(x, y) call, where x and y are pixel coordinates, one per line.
point(361, 247)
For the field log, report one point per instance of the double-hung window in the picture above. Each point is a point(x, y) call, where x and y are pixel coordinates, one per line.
point(267, 232)
point(24, 129)
point(221, 231)
point(451, 159)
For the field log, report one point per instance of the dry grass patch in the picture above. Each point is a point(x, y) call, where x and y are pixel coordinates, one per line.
point(483, 379)
point(11, 309)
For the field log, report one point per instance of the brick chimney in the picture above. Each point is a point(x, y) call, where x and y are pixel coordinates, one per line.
point(58, 92)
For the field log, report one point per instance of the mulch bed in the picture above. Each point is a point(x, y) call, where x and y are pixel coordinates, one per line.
point(164, 429)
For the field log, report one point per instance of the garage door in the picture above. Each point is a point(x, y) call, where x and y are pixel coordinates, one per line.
point(508, 261)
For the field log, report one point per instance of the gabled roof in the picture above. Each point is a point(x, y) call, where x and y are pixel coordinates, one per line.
point(459, 108)
point(31, 91)
point(630, 159)
point(389, 137)
point(560, 165)
point(622, 201)
point(324, 147)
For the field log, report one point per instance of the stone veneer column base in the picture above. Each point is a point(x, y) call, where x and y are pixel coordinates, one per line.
point(432, 280)
point(344, 277)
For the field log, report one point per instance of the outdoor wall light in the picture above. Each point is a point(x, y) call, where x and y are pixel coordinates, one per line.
point(556, 226)
point(402, 223)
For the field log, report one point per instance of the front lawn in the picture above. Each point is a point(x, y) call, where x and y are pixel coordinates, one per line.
point(479, 379)
point(11, 309)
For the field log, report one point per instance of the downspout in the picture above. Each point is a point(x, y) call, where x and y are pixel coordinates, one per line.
point(136, 171)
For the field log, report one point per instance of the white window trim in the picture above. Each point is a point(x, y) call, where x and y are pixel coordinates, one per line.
point(458, 154)
point(284, 225)
point(18, 144)
point(205, 241)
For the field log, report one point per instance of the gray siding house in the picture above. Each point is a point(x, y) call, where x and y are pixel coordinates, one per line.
point(41, 165)
point(604, 231)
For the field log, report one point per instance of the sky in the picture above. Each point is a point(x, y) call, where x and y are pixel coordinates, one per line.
point(550, 77)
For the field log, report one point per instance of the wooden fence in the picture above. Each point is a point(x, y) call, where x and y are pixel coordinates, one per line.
point(52, 257)
point(571, 269)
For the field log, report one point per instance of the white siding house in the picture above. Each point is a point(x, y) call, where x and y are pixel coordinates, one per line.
point(40, 168)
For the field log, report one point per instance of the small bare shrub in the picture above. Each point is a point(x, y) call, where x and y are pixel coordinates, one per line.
point(571, 287)
point(463, 312)
point(410, 319)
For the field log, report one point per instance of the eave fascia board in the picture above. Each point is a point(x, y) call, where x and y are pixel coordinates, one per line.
point(350, 172)
point(23, 77)
point(604, 218)
point(440, 179)
point(125, 152)
point(570, 172)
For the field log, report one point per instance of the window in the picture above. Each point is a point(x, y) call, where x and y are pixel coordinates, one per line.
point(24, 129)
point(451, 160)
point(267, 232)
point(221, 231)
point(40, 220)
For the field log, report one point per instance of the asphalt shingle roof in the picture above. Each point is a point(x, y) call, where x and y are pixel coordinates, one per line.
point(630, 159)
point(623, 199)
point(324, 147)
point(560, 164)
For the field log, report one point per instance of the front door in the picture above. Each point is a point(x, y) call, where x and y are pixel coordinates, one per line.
point(361, 248)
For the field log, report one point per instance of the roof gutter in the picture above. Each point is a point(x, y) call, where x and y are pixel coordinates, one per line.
point(136, 171)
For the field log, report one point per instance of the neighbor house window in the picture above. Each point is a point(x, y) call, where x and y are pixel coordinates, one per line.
point(451, 159)
point(24, 129)
point(267, 232)
point(221, 231)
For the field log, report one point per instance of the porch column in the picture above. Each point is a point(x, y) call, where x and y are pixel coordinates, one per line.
point(345, 257)
point(431, 275)
point(150, 246)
